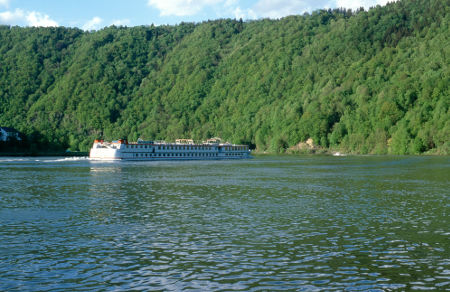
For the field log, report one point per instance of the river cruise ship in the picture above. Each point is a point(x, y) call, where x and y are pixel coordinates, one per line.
point(182, 149)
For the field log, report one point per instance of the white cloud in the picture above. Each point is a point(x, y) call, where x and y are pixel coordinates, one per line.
point(355, 4)
point(229, 3)
point(4, 3)
point(9, 17)
point(262, 8)
point(37, 19)
point(121, 22)
point(244, 14)
point(281, 8)
point(21, 17)
point(182, 7)
point(93, 24)
point(238, 13)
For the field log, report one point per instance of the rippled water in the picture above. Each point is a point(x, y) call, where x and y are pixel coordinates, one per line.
point(270, 223)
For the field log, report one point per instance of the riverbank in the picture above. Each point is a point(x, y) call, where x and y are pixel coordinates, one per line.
point(41, 154)
point(336, 152)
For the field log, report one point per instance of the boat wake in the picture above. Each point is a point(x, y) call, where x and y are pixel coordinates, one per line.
point(12, 159)
point(65, 159)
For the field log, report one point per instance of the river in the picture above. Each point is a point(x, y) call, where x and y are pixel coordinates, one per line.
point(268, 223)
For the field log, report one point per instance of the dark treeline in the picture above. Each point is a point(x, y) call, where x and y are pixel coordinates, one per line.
point(372, 81)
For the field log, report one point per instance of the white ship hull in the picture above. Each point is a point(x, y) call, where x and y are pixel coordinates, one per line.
point(148, 150)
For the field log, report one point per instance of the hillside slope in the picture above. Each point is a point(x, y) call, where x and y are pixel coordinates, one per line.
point(372, 81)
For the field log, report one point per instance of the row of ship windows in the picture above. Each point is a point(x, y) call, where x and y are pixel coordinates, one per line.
point(234, 148)
point(175, 154)
point(172, 147)
point(182, 154)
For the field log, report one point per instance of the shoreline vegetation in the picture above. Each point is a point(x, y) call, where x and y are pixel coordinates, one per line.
point(303, 148)
point(42, 154)
point(309, 148)
point(366, 82)
point(26, 147)
point(23, 148)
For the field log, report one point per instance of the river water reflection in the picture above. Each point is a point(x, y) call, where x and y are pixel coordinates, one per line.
point(269, 223)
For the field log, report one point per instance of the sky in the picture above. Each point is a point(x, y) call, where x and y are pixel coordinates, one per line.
point(96, 14)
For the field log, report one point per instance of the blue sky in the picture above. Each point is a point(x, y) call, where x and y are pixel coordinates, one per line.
point(96, 14)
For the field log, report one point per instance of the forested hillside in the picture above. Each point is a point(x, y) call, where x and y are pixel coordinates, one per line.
point(372, 81)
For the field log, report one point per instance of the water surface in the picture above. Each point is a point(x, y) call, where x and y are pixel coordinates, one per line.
point(269, 223)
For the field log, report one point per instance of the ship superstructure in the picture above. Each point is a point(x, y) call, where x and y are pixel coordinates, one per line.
point(181, 149)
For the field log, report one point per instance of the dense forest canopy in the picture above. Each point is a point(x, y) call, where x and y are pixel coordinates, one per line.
point(372, 81)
